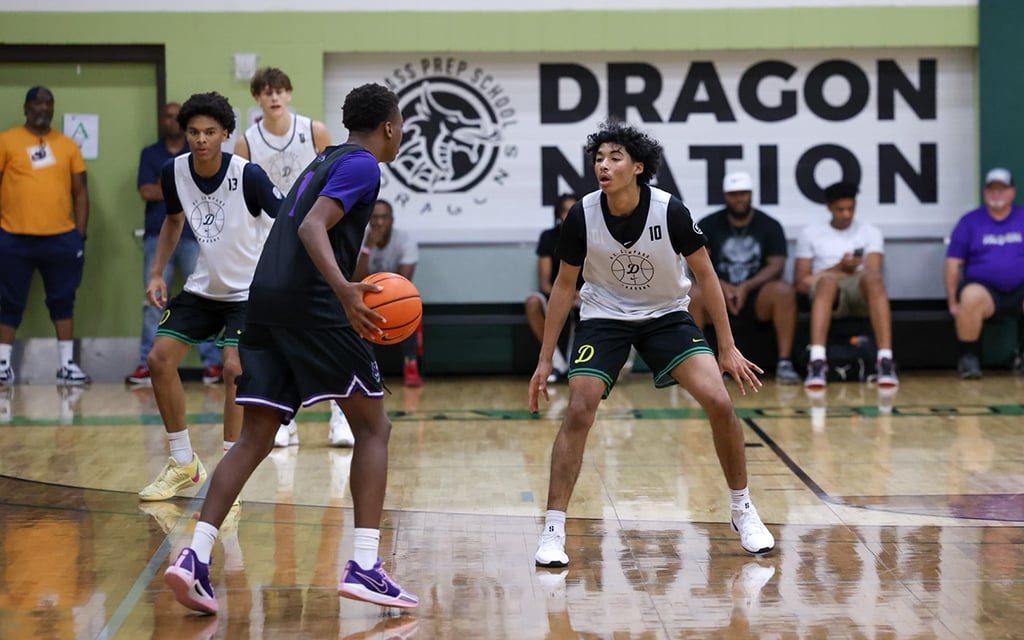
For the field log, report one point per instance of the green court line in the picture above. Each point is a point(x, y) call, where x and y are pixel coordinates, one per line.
point(487, 415)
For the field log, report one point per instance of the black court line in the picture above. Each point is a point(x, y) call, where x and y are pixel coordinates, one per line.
point(796, 469)
point(998, 507)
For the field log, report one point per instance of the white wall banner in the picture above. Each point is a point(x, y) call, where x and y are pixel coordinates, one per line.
point(490, 140)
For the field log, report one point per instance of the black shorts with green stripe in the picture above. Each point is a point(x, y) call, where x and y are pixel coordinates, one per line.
point(602, 346)
point(194, 319)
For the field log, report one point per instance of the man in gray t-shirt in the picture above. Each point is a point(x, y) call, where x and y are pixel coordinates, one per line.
point(386, 248)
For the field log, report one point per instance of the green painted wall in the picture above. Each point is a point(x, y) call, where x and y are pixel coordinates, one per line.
point(200, 47)
point(1001, 86)
point(124, 96)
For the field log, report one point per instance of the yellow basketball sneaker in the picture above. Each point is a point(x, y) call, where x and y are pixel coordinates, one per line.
point(174, 478)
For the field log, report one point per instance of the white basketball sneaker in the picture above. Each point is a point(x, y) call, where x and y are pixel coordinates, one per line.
point(754, 536)
point(551, 550)
point(287, 434)
point(340, 432)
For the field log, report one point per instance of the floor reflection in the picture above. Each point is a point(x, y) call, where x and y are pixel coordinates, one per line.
point(894, 518)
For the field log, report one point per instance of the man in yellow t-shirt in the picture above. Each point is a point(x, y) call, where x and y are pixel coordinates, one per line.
point(44, 212)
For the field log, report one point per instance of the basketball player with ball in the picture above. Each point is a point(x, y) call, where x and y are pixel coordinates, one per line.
point(303, 343)
point(283, 143)
point(631, 240)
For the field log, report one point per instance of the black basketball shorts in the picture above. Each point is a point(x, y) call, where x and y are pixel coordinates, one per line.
point(285, 367)
point(602, 346)
point(194, 319)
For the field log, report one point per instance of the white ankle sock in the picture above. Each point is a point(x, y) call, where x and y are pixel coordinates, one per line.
point(65, 352)
point(227, 446)
point(202, 541)
point(884, 353)
point(817, 352)
point(740, 497)
point(181, 446)
point(554, 521)
point(5, 355)
point(367, 547)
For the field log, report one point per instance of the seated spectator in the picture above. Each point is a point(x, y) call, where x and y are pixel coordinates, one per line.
point(839, 266)
point(984, 273)
point(386, 248)
point(536, 304)
point(748, 250)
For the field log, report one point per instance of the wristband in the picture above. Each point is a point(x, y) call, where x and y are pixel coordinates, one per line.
point(365, 251)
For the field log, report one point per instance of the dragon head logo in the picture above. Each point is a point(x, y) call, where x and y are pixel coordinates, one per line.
point(450, 140)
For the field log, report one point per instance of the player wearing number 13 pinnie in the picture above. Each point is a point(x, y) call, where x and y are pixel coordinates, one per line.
point(229, 203)
point(631, 240)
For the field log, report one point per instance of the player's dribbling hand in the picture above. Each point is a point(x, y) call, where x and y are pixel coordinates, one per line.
point(156, 292)
point(743, 371)
point(363, 320)
point(538, 386)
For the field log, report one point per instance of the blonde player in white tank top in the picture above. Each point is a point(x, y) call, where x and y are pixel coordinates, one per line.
point(283, 144)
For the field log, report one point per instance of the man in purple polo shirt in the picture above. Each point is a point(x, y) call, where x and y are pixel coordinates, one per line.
point(988, 246)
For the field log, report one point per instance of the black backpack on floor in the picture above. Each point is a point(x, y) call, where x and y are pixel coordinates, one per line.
point(851, 359)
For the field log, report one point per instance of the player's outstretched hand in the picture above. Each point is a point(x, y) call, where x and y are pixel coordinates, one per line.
point(743, 371)
point(156, 292)
point(539, 385)
point(364, 321)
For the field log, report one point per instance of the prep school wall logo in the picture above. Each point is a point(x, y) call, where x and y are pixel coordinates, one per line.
point(633, 269)
point(451, 136)
point(207, 219)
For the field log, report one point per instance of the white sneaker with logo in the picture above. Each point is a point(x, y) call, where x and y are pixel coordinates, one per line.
point(551, 550)
point(340, 432)
point(754, 536)
point(72, 374)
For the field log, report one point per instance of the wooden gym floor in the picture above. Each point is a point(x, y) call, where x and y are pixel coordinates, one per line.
point(901, 523)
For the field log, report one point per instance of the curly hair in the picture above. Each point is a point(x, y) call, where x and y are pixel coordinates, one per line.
point(269, 78)
point(367, 106)
point(640, 146)
point(207, 104)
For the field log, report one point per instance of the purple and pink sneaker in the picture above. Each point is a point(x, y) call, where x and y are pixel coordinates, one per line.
point(189, 579)
point(373, 586)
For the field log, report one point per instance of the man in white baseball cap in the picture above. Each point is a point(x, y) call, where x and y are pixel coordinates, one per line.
point(984, 272)
point(1000, 175)
point(748, 249)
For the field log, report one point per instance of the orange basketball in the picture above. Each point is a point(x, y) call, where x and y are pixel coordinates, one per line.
point(398, 301)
